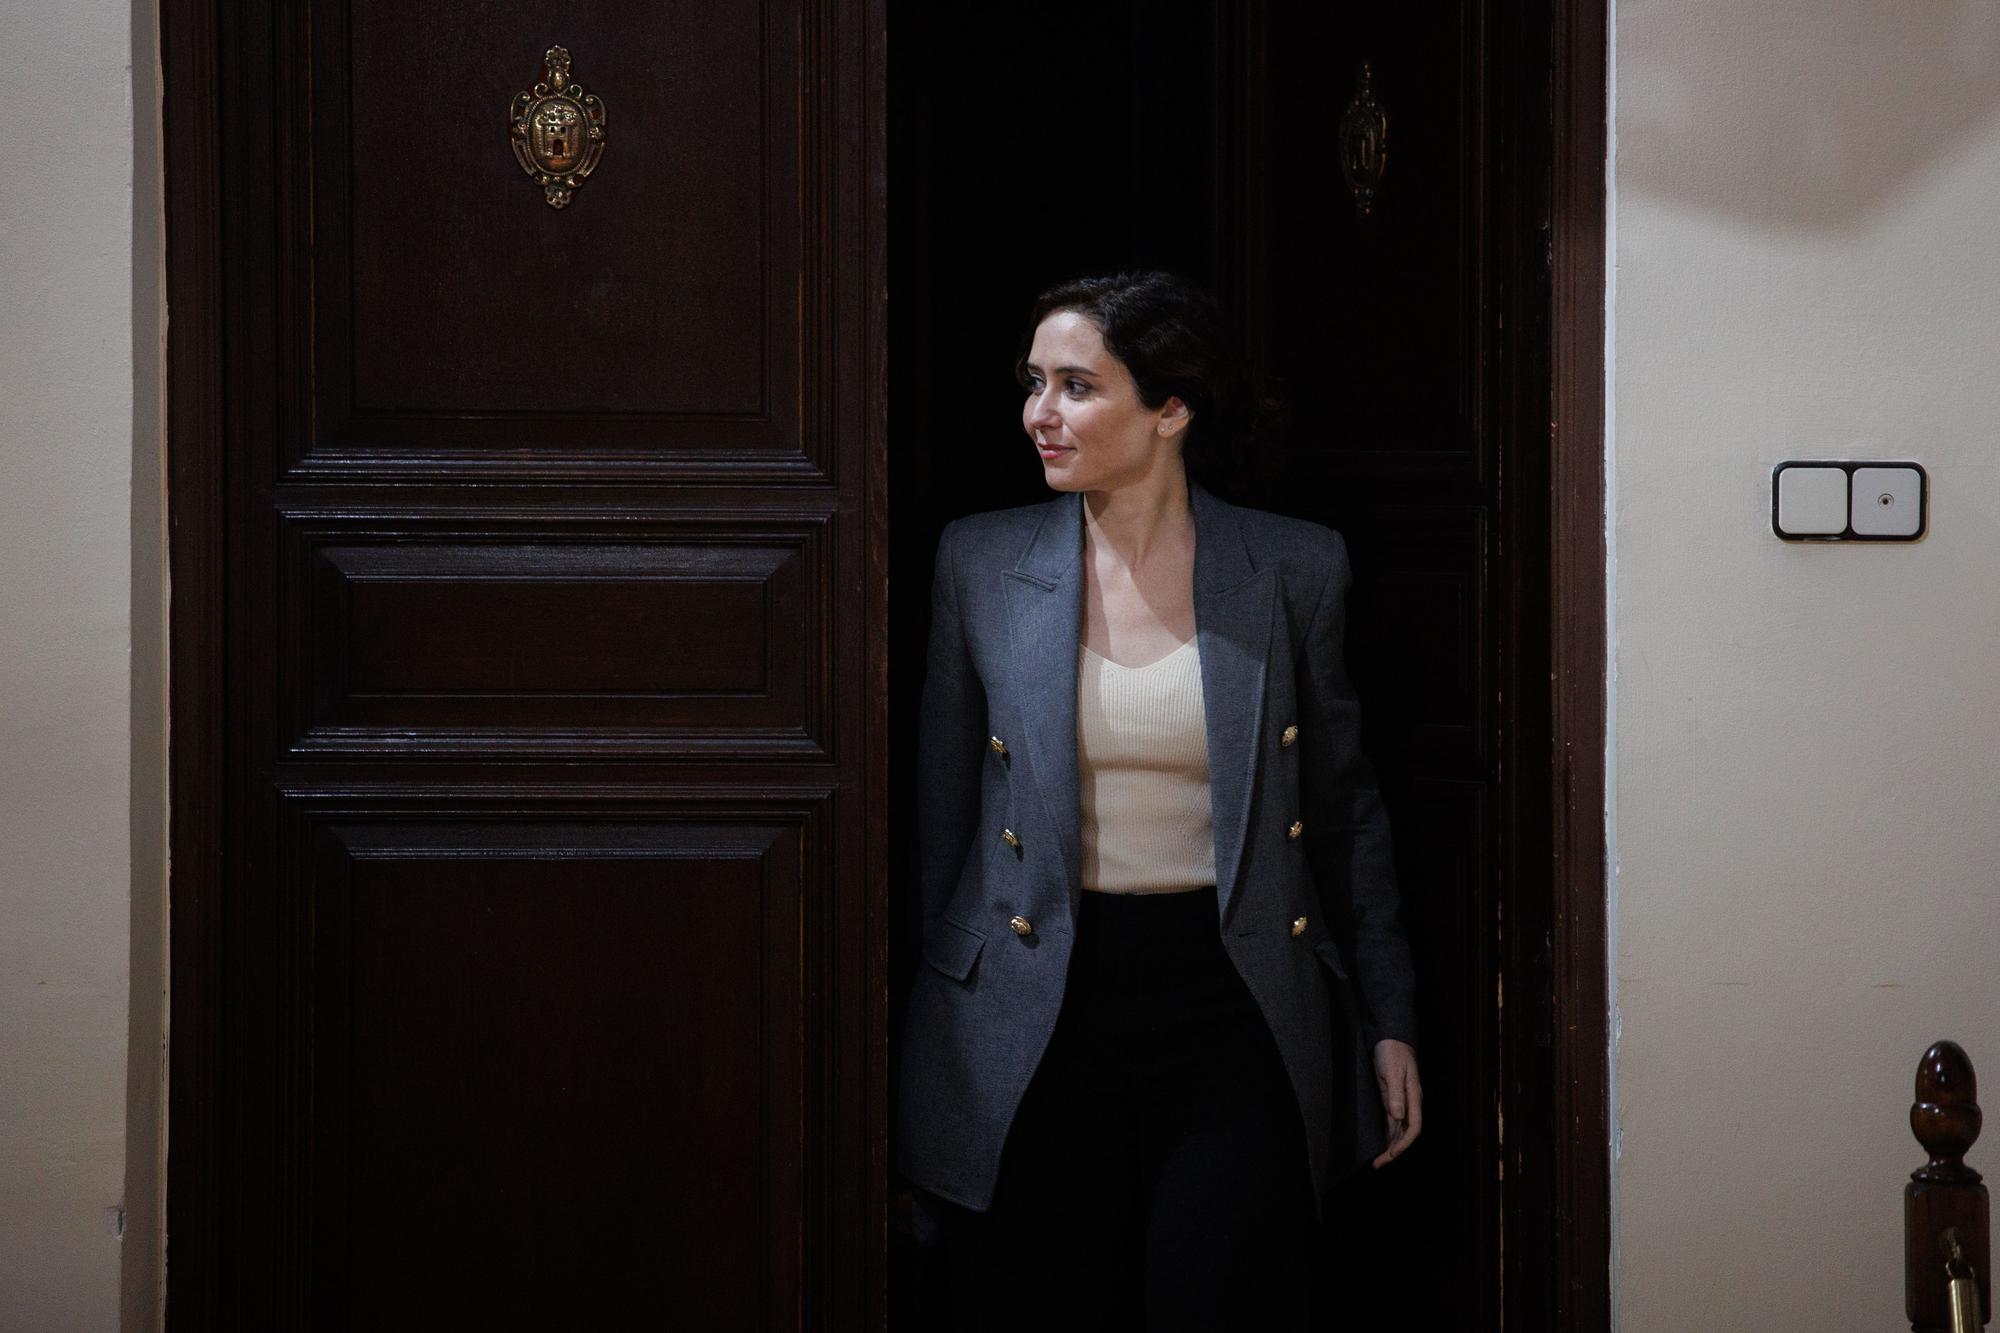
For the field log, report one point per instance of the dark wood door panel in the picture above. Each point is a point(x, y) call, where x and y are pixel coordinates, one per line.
point(1423, 656)
point(702, 637)
point(663, 322)
point(1392, 298)
point(563, 1049)
point(471, 294)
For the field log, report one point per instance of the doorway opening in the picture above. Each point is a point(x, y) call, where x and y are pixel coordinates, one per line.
point(1401, 211)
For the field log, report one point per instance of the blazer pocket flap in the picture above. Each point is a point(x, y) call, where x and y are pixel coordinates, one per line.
point(952, 949)
point(1328, 949)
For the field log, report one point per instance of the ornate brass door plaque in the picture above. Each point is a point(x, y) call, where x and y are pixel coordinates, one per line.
point(1364, 143)
point(557, 130)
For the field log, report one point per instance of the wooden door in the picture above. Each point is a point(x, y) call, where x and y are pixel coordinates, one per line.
point(1404, 312)
point(527, 669)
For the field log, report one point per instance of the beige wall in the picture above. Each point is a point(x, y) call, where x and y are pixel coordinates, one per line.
point(1807, 738)
point(68, 439)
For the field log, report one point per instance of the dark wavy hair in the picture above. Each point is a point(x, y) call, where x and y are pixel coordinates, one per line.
point(1172, 338)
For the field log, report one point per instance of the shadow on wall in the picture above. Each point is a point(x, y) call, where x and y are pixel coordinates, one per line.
point(1805, 114)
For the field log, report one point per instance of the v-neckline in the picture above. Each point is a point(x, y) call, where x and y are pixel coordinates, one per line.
point(1185, 645)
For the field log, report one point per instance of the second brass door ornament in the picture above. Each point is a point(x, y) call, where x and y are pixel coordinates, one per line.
point(557, 130)
point(1364, 143)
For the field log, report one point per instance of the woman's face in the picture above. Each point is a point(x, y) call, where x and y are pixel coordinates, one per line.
point(1084, 415)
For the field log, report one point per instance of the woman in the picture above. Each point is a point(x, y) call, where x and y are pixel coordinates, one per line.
point(1167, 1001)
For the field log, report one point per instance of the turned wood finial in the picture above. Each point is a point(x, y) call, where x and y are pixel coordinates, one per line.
point(1945, 1116)
point(1946, 1213)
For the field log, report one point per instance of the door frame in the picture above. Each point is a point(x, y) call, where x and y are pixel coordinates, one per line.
point(195, 201)
point(1579, 58)
point(196, 417)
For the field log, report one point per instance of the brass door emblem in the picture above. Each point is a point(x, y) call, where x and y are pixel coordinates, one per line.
point(557, 130)
point(1364, 143)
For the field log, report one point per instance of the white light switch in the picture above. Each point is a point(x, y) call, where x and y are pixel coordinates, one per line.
point(1812, 501)
point(1888, 501)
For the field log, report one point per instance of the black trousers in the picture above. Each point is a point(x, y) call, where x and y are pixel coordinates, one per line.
point(1155, 1175)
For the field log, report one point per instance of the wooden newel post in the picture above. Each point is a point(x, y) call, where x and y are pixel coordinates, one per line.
point(1944, 1195)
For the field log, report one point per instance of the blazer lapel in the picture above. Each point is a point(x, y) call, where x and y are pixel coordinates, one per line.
point(1233, 610)
point(1045, 619)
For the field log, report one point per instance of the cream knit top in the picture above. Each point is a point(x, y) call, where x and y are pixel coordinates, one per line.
point(1142, 774)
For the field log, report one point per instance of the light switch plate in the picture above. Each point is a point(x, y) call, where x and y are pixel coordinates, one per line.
point(1844, 500)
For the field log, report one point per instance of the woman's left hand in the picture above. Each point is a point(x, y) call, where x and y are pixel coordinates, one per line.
point(1402, 1096)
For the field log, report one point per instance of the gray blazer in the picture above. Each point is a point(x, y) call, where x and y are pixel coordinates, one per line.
point(1306, 891)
